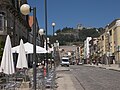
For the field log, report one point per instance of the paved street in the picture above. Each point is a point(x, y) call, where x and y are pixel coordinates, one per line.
point(87, 78)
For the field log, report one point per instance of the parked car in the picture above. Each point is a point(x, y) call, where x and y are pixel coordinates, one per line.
point(65, 61)
point(72, 62)
point(80, 63)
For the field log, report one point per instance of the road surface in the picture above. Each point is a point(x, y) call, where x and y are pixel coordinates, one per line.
point(88, 78)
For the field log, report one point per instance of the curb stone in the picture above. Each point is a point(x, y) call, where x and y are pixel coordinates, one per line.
point(103, 67)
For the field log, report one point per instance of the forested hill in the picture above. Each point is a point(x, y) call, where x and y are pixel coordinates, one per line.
point(76, 36)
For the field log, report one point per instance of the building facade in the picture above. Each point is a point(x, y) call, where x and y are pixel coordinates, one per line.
point(87, 48)
point(113, 31)
point(108, 43)
point(16, 25)
point(12, 22)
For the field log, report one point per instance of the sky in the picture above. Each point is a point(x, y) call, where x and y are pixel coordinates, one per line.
point(70, 13)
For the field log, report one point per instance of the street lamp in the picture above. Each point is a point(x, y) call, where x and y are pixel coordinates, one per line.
point(25, 10)
point(54, 34)
point(45, 4)
point(41, 31)
point(56, 47)
point(53, 25)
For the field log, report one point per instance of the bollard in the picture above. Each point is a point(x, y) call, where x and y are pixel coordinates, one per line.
point(44, 72)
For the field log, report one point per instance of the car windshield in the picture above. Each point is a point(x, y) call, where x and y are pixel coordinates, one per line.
point(65, 60)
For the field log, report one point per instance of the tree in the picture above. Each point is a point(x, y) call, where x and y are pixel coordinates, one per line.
point(58, 31)
point(70, 35)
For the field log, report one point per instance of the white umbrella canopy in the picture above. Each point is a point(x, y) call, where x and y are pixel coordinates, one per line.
point(29, 49)
point(7, 64)
point(0, 69)
point(22, 60)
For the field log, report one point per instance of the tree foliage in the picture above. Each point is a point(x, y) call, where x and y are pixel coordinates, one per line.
point(70, 35)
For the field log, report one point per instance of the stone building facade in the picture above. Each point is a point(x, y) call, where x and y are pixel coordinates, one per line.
point(12, 22)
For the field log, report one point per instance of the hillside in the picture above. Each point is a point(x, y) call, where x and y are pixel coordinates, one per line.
point(70, 36)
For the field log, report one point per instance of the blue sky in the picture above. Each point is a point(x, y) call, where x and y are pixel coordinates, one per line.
point(69, 13)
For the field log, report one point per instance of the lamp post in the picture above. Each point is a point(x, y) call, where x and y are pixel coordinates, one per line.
point(41, 33)
point(53, 25)
point(45, 4)
point(25, 10)
point(57, 53)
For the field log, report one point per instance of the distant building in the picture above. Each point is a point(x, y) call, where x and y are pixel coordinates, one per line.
point(79, 27)
point(93, 46)
point(86, 47)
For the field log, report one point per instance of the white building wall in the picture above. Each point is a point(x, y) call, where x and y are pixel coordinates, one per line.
point(86, 47)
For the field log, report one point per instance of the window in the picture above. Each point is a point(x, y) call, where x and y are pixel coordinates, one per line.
point(102, 37)
point(2, 23)
point(110, 32)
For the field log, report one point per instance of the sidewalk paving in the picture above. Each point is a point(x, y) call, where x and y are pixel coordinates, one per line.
point(64, 81)
point(110, 67)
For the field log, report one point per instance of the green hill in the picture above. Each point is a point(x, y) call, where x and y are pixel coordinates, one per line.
point(70, 36)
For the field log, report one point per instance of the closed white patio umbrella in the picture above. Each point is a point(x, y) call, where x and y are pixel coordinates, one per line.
point(0, 69)
point(7, 64)
point(22, 60)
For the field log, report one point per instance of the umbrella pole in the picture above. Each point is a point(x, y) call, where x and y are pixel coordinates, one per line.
point(24, 73)
point(7, 78)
